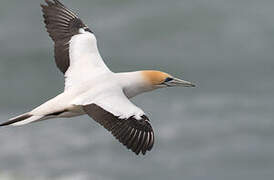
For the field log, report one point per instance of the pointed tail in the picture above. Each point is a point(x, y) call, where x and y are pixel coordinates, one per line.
point(22, 120)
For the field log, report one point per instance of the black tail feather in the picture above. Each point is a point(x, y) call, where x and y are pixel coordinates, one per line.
point(16, 119)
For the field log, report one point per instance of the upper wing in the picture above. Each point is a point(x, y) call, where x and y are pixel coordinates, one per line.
point(75, 46)
point(123, 119)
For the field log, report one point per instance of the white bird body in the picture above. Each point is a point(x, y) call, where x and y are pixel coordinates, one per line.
point(91, 88)
point(94, 90)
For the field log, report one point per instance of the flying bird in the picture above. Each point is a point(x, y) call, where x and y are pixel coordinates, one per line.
point(91, 87)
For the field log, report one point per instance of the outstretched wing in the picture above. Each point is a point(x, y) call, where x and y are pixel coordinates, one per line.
point(123, 119)
point(135, 134)
point(75, 46)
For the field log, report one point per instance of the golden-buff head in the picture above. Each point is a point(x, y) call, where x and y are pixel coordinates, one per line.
point(161, 79)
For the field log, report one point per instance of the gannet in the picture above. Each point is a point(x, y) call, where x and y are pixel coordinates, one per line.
point(91, 87)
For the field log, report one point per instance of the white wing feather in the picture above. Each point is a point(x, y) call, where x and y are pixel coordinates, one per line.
point(113, 101)
point(85, 59)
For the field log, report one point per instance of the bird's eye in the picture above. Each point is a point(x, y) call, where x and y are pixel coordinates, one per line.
point(168, 79)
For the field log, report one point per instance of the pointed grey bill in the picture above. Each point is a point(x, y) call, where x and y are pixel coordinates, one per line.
point(179, 82)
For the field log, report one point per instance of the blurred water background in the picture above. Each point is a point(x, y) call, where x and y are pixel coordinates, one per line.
point(223, 129)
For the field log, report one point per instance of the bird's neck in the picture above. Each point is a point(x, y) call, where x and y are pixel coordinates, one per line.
point(133, 83)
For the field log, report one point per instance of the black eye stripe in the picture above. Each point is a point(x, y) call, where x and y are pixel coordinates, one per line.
point(168, 79)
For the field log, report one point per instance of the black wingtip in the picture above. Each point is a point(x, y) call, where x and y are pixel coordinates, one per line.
point(50, 3)
point(58, 2)
point(136, 134)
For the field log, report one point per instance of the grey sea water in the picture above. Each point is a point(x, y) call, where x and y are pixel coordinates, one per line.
point(223, 129)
